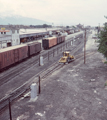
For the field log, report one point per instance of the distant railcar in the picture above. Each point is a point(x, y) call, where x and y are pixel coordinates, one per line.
point(49, 42)
point(52, 41)
point(33, 48)
point(63, 39)
point(60, 39)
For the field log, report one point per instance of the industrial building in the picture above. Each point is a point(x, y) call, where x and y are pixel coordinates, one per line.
point(15, 36)
point(9, 38)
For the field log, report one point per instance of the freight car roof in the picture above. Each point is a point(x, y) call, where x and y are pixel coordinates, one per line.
point(11, 48)
point(33, 43)
point(49, 38)
point(61, 36)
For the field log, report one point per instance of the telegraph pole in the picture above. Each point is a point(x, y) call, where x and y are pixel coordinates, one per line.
point(39, 85)
point(85, 47)
point(10, 114)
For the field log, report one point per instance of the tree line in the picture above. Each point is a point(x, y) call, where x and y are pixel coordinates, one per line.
point(102, 35)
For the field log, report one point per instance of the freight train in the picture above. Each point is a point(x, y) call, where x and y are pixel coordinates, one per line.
point(15, 54)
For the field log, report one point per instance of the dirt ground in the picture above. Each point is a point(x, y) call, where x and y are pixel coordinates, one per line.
point(75, 92)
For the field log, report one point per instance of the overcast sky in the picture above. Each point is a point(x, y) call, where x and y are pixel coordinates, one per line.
point(62, 12)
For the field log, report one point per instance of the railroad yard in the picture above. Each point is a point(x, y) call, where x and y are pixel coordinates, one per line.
point(74, 91)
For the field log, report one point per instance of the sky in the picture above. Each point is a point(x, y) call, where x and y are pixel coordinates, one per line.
point(58, 12)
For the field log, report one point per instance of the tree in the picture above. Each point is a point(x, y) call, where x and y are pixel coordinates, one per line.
point(102, 47)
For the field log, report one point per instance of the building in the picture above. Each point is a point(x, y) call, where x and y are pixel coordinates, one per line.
point(5, 41)
point(9, 38)
point(14, 36)
point(80, 26)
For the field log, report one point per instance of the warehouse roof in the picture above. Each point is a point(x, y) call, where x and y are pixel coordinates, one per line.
point(4, 31)
point(38, 31)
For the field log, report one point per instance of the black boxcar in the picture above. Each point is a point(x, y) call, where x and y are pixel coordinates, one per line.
point(49, 42)
point(33, 48)
point(60, 39)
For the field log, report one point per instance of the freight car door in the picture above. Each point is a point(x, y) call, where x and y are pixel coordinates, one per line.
point(16, 55)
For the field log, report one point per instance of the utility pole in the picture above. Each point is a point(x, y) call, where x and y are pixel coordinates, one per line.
point(10, 114)
point(85, 47)
point(99, 28)
point(39, 85)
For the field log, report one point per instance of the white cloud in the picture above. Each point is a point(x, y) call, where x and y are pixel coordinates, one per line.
point(58, 11)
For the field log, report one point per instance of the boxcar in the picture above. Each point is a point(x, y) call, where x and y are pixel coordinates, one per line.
point(23, 52)
point(49, 42)
point(11, 55)
point(6, 58)
point(33, 48)
point(63, 39)
point(60, 39)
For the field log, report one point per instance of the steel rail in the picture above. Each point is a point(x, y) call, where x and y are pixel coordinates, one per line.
point(22, 67)
point(19, 91)
point(25, 87)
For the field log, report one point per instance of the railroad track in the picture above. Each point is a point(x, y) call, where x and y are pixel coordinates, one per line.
point(17, 70)
point(13, 72)
point(28, 81)
point(26, 86)
point(30, 62)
